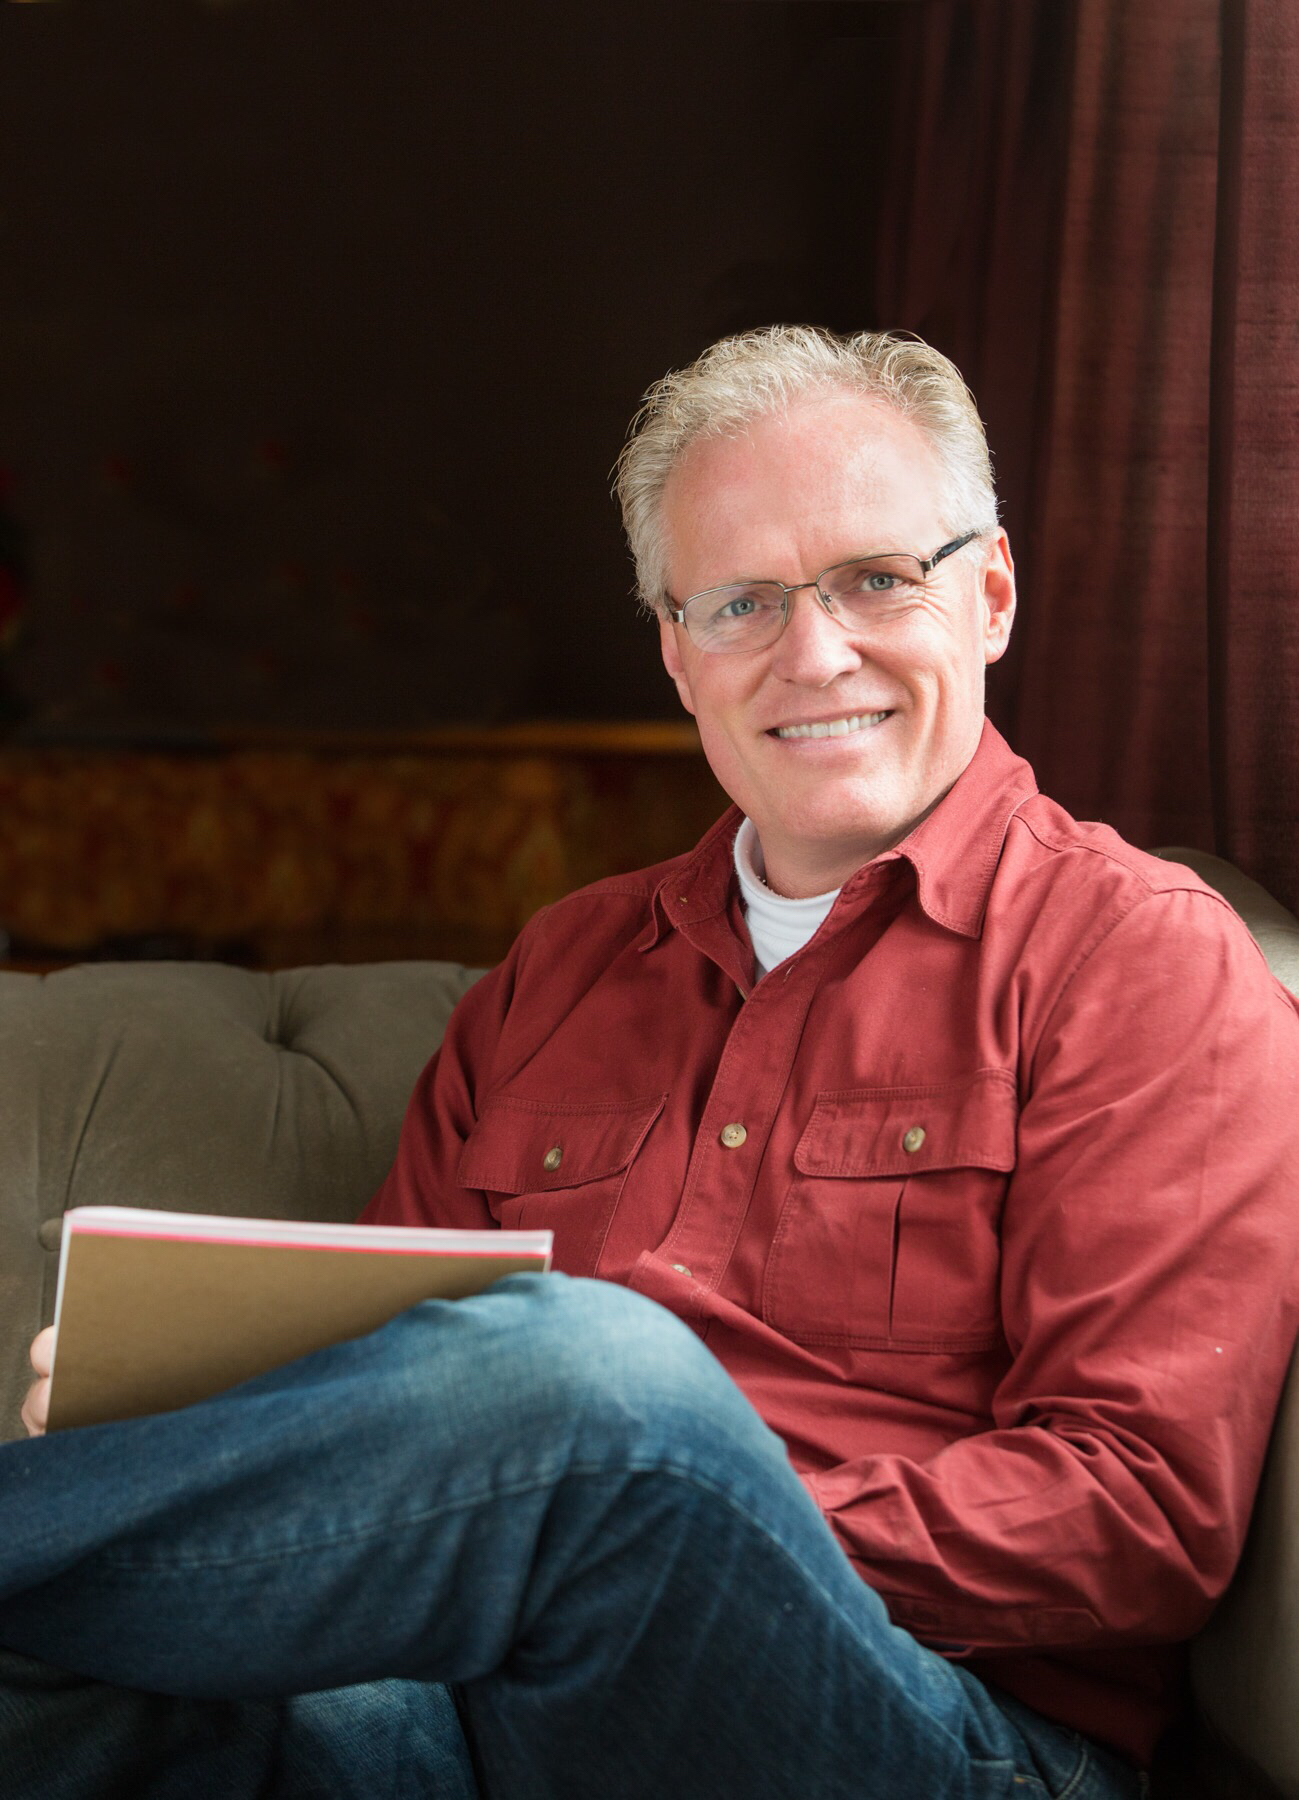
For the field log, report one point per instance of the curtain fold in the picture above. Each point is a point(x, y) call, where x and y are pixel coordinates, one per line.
point(1096, 216)
point(1253, 537)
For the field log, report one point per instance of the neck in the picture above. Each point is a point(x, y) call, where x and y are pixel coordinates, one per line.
point(801, 885)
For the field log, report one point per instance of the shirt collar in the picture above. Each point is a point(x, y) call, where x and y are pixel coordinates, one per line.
point(954, 851)
point(700, 884)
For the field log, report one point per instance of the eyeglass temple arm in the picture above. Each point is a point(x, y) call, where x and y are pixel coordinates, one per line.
point(931, 563)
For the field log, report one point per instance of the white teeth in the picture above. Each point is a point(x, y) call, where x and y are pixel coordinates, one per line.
point(832, 727)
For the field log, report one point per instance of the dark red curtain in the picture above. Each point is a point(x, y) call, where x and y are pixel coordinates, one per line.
point(1095, 210)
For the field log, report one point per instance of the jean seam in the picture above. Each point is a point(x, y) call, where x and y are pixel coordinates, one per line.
point(1077, 1779)
point(125, 1562)
point(1079, 1775)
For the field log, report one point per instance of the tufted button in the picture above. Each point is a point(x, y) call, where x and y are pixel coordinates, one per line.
point(913, 1139)
point(552, 1159)
point(49, 1233)
point(733, 1135)
point(681, 1268)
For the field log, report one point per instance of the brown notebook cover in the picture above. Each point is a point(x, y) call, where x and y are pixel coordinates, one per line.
point(159, 1309)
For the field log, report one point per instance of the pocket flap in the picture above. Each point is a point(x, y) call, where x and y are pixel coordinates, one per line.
point(529, 1146)
point(969, 1123)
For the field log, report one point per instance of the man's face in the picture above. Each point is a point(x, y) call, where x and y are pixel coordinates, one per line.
point(799, 491)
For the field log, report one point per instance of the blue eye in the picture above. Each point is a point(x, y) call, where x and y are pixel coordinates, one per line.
point(874, 578)
point(735, 617)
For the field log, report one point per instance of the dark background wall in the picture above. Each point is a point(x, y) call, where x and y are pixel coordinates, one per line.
point(321, 323)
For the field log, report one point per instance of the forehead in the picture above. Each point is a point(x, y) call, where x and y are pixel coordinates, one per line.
point(797, 489)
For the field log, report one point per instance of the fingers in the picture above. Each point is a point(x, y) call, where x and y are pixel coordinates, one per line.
point(36, 1408)
point(42, 1351)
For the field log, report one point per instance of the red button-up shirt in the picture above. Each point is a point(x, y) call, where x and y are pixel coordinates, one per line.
point(988, 1199)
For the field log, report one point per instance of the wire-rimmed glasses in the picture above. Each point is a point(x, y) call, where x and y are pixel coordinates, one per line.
point(750, 615)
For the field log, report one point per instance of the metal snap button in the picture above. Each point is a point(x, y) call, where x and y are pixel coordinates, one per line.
point(733, 1136)
point(913, 1139)
point(681, 1268)
point(552, 1159)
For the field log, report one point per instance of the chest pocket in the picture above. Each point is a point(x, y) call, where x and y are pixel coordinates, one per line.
point(889, 1237)
point(557, 1164)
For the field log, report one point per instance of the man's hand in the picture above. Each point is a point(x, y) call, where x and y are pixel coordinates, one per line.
point(36, 1407)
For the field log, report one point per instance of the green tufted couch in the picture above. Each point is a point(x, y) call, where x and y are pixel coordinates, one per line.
point(214, 1089)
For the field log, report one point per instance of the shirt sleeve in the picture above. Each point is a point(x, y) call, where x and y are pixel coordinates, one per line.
point(423, 1186)
point(1149, 1307)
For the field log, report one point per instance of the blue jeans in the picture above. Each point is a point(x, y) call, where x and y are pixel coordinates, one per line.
point(542, 1525)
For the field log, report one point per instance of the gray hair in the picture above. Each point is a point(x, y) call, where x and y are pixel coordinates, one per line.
point(755, 373)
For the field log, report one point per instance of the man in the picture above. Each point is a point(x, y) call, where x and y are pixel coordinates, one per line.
point(953, 1131)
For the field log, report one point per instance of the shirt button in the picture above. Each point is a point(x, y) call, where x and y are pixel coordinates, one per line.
point(733, 1136)
point(681, 1268)
point(552, 1159)
point(913, 1139)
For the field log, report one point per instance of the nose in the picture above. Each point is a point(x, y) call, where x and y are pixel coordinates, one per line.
point(813, 649)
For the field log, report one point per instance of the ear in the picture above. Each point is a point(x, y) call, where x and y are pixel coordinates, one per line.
point(673, 663)
point(997, 593)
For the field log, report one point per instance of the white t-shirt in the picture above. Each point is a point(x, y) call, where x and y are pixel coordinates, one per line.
point(777, 926)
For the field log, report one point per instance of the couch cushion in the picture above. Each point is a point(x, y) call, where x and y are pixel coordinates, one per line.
point(199, 1087)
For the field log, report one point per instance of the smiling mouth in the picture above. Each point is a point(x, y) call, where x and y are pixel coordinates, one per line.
point(833, 727)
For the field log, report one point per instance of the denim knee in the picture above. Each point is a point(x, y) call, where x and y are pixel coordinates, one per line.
point(597, 1367)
